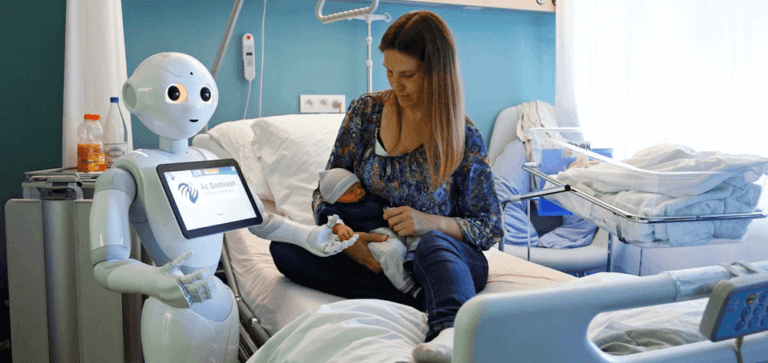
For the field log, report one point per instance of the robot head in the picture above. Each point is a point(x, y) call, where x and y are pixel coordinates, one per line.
point(172, 94)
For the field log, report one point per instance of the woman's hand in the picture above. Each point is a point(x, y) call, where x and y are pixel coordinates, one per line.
point(360, 252)
point(406, 221)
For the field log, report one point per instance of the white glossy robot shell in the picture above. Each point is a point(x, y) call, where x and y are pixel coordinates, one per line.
point(173, 95)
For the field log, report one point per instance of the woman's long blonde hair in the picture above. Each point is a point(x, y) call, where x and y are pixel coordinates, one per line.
point(425, 36)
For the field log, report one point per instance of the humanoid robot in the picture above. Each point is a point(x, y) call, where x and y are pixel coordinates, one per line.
point(190, 315)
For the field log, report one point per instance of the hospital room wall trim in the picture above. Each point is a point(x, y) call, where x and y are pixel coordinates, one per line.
point(507, 57)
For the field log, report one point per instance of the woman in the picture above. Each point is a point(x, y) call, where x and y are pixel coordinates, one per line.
point(414, 146)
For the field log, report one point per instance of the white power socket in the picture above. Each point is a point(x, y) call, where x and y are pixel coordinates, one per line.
point(322, 103)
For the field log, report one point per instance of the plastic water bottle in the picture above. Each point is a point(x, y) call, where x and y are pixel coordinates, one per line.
point(115, 133)
point(90, 149)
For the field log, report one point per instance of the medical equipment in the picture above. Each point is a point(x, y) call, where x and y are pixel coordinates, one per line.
point(644, 233)
point(555, 321)
point(249, 65)
point(58, 311)
point(658, 195)
point(174, 96)
point(736, 307)
point(366, 14)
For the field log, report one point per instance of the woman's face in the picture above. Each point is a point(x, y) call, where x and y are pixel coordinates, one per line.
point(406, 77)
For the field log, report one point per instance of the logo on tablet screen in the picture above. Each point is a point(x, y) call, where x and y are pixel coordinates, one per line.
point(188, 191)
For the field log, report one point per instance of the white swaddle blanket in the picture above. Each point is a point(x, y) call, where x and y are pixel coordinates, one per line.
point(669, 180)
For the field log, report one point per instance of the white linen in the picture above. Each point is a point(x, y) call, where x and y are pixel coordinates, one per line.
point(646, 328)
point(277, 301)
point(669, 169)
point(293, 149)
point(235, 137)
point(353, 331)
point(669, 180)
point(534, 114)
point(274, 299)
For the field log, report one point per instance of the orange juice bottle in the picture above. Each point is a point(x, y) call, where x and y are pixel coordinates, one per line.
point(90, 148)
point(83, 144)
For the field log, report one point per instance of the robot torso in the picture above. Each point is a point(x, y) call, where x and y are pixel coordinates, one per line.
point(152, 217)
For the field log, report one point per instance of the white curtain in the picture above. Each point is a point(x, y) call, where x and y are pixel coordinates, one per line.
point(94, 67)
point(687, 71)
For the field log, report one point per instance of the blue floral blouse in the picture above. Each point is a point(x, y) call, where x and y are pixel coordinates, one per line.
point(469, 196)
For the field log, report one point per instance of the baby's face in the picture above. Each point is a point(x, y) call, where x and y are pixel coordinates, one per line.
point(353, 194)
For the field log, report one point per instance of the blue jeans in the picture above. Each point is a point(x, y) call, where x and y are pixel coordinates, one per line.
point(449, 271)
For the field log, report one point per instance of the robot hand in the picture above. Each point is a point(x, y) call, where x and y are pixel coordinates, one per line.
point(180, 291)
point(323, 242)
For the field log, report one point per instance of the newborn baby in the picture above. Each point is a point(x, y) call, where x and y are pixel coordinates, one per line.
point(364, 212)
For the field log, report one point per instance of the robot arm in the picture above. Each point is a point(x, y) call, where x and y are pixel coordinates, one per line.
point(111, 247)
point(318, 240)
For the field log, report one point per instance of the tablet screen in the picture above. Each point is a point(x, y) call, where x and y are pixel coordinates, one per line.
point(208, 197)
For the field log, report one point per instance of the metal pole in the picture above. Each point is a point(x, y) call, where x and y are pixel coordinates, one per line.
point(225, 39)
point(224, 43)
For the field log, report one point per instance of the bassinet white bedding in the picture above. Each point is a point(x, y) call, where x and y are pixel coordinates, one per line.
point(667, 180)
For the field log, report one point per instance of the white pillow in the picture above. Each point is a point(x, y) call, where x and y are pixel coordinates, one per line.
point(235, 137)
point(293, 150)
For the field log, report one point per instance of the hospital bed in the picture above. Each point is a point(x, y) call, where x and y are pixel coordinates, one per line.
point(527, 312)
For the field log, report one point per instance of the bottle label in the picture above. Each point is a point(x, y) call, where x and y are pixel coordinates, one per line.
point(114, 151)
point(90, 158)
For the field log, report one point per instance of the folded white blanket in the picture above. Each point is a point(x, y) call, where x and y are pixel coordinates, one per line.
point(669, 180)
point(669, 169)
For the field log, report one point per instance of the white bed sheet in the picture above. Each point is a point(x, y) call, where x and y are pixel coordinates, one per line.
point(350, 330)
point(277, 301)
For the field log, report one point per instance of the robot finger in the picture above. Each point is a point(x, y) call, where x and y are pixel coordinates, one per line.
point(181, 258)
point(196, 276)
point(332, 221)
point(202, 290)
point(352, 240)
point(173, 266)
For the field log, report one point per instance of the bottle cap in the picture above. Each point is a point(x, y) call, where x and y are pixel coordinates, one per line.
point(113, 100)
point(89, 116)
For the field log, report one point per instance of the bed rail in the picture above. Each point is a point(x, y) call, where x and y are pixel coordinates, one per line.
point(252, 334)
point(550, 324)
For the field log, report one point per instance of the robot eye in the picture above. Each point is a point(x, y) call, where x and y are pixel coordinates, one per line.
point(176, 93)
point(205, 94)
point(173, 93)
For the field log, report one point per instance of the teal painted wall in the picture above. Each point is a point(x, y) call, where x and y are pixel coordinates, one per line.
point(32, 79)
point(507, 57)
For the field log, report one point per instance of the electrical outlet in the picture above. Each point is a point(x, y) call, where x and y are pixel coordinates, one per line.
point(322, 103)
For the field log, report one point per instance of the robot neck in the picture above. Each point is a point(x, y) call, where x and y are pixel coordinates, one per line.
point(173, 146)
